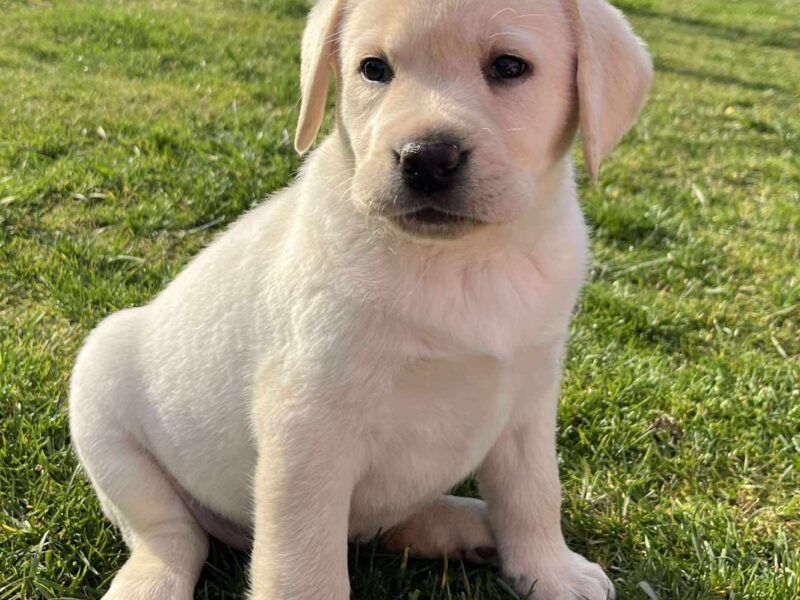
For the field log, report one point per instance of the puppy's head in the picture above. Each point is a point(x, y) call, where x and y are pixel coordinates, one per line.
point(455, 109)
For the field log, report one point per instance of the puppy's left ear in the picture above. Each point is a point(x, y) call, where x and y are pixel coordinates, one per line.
point(614, 74)
point(319, 56)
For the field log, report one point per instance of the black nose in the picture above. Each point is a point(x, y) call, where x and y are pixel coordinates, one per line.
point(430, 166)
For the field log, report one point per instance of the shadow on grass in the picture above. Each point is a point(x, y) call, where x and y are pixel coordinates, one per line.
point(378, 575)
point(374, 575)
point(224, 576)
point(723, 79)
point(785, 38)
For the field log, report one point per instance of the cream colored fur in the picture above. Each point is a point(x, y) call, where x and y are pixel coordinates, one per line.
point(319, 374)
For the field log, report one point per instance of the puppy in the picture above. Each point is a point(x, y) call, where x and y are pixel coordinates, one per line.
point(392, 322)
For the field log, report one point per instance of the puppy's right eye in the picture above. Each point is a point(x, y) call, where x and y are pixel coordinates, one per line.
point(375, 69)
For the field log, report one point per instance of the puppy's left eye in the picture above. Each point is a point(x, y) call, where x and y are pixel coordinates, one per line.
point(508, 67)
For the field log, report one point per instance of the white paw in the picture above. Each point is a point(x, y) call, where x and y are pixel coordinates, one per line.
point(149, 584)
point(568, 577)
point(453, 527)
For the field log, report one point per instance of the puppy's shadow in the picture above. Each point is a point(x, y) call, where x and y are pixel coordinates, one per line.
point(374, 574)
point(224, 575)
point(378, 575)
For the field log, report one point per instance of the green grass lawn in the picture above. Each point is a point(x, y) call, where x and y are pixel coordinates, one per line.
point(131, 132)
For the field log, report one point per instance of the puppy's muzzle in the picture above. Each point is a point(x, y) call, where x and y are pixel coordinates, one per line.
point(430, 167)
point(433, 202)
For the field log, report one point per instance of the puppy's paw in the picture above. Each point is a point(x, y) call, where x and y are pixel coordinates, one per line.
point(141, 583)
point(453, 527)
point(568, 577)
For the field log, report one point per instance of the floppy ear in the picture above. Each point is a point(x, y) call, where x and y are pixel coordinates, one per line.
point(319, 53)
point(613, 77)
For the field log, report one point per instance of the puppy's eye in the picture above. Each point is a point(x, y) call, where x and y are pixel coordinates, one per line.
point(375, 69)
point(508, 67)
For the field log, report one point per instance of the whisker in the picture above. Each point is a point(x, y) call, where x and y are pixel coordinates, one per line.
point(336, 36)
point(501, 11)
point(506, 33)
point(549, 16)
point(340, 178)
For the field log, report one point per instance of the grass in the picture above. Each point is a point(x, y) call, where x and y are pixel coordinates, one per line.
point(131, 132)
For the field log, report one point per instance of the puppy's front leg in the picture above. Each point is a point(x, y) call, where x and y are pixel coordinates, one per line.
point(304, 480)
point(519, 481)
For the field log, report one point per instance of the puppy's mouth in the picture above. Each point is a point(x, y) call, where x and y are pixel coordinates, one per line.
point(433, 222)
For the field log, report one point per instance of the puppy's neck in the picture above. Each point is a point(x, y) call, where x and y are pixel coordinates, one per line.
point(482, 293)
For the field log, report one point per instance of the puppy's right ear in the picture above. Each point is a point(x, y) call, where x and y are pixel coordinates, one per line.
point(319, 54)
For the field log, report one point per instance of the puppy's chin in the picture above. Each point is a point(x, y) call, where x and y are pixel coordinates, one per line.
point(432, 224)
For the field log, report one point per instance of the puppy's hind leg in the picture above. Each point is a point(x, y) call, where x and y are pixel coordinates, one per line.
point(167, 545)
point(451, 526)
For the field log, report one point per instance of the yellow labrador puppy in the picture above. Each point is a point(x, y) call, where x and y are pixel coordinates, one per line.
point(392, 322)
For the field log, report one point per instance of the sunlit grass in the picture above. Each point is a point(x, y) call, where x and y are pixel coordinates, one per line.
point(132, 132)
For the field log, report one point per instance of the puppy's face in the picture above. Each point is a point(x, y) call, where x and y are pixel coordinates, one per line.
point(457, 110)
point(454, 109)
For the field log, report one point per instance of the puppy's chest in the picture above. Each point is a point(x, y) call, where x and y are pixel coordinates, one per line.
point(433, 429)
point(495, 307)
